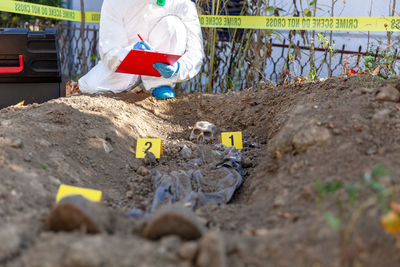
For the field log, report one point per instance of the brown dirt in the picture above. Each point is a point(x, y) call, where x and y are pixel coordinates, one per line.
point(328, 130)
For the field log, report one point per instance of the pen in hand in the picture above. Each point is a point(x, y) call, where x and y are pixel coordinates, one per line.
point(142, 44)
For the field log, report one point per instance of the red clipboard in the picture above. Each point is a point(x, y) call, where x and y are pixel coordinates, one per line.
point(141, 62)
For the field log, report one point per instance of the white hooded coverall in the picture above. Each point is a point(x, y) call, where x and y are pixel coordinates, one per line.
point(173, 28)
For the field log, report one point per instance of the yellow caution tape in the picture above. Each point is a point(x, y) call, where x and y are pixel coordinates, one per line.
point(301, 23)
point(92, 17)
point(239, 22)
point(47, 11)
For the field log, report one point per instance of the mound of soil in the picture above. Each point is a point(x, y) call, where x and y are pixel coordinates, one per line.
point(333, 130)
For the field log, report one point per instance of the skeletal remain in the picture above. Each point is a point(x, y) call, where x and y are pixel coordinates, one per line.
point(204, 132)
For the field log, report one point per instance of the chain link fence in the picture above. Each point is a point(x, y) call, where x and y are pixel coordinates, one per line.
point(294, 60)
point(276, 62)
point(70, 46)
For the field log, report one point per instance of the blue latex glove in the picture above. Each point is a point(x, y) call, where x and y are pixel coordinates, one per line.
point(142, 45)
point(167, 71)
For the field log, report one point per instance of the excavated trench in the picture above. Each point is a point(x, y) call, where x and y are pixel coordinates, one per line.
point(90, 141)
point(293, 135)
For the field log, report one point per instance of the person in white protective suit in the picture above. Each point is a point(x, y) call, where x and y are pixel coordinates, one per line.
point(166, 26)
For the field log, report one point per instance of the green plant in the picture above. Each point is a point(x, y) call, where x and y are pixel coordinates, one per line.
point(312, 75)
point(44, 166)
point(342, 204)
point(313, 70)
point(330, 48)
point(346, 195)
point(383, 63)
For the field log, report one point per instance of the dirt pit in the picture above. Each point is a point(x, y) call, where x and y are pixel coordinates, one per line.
point(300, 140)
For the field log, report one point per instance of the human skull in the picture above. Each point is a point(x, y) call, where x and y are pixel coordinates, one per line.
point(203, 132)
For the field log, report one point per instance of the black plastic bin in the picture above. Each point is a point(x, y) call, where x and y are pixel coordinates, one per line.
point(29, 66)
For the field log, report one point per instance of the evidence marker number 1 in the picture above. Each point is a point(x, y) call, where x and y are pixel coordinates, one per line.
point(146, 145)
point(232, 139)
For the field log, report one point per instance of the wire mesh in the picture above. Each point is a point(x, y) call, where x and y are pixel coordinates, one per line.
point(265, 59)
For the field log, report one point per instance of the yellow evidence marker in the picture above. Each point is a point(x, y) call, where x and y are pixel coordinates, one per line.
point(68, 190)
point(232, 139)
point(145, 145)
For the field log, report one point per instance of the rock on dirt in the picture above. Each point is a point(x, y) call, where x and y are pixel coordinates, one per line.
point(188, 251)
point(11, 241)
point(212, 251)
point(84, 253)
point(388, 93)
point(186, 152)
point(143, 171)
point(380, 117)
point(173, 220)
point(311, 135)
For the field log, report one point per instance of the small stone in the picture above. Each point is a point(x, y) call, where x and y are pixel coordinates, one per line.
point(186, 152)
point(336, 131)
point(388, 93)
point(329, 125)
point(84, 252)
point(311, 135)
point(143, 171)
point(12, 241)
point(188, 251)
point(247, 162)
point(216, 153)
point(149, 160)
point(17, 143)
point(28, 157)
point(44, 143)
point(173, 220)
point(380, 117)
point(135, 165)
point(196, 162)
point(107, 147)
point(280, 200)
point(212, 251)
point(129, 195)
point(308, 194)
point(6, 123)
point(372, 151)
point(251, 144)
point(262, 232)
point(171, 244)
point(73, 213)
point(294, 170)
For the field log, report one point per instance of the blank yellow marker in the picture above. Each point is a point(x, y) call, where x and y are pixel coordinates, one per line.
point(68, 190)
